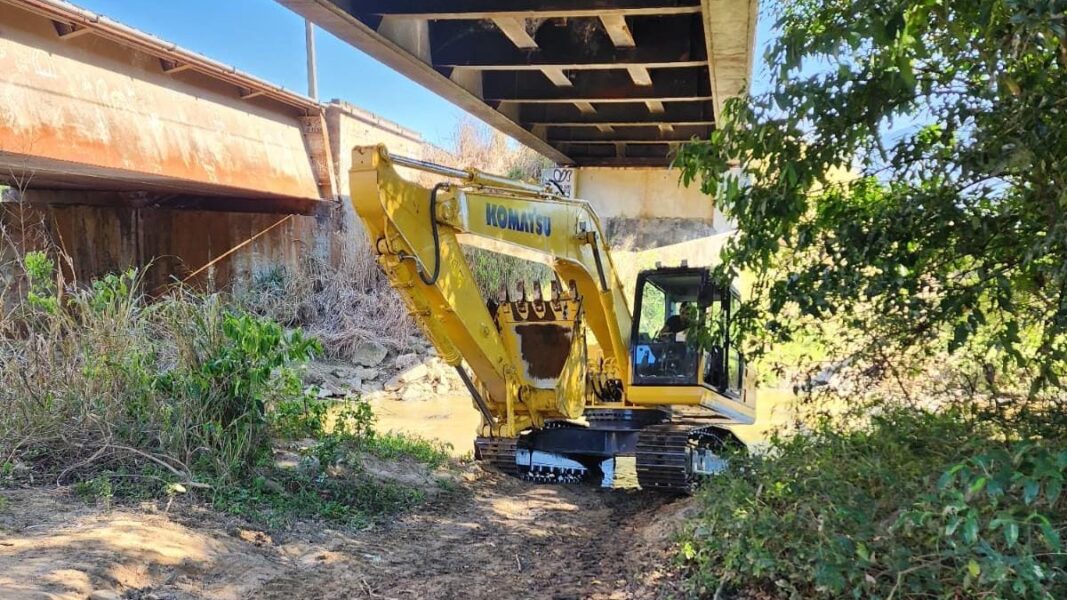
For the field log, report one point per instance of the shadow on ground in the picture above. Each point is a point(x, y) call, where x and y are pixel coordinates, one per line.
point(497, 538)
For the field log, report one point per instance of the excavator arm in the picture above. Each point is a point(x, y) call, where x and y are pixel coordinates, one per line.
point(528, 356)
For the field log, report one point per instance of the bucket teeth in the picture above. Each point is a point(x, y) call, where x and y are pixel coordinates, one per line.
point(557, 290)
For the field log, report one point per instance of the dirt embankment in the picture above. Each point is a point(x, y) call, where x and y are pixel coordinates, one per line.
point(496, 538)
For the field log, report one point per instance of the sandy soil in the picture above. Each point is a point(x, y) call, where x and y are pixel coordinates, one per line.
point(499, 538)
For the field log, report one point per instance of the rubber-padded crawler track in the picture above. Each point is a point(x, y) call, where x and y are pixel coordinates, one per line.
point(663, 455)
point(498, 453)
point(662, 458)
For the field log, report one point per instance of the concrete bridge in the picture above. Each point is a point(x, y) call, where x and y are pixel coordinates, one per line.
point(584, 82)
point(612, 87)
point(130, 149)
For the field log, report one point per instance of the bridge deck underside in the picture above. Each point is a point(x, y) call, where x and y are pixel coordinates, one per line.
point(587, 82)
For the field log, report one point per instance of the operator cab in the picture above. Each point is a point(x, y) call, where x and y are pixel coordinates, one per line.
point(668, 349)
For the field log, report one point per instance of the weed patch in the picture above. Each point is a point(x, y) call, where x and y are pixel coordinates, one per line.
point(279, 497)
point(395, 445)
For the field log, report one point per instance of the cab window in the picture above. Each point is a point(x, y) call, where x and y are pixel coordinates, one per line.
point(667, 307)
point(653, 312)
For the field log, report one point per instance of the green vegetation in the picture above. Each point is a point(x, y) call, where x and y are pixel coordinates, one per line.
point(394, 445)
point(909, 504)
point(899, 196)
point(184, 395)
point(905, 175)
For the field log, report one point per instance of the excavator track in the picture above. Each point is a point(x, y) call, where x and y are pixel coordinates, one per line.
point(497, 453)
point(665, 455)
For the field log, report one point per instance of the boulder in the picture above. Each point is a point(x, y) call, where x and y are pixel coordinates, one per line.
point(416, 373)
point(365, 373)
point(286, 460)
point(394, 384)
point(406, 361)
point(341, 372)
point(440, 370)
point(414, 392)
point(312, 377)
point(369, 353)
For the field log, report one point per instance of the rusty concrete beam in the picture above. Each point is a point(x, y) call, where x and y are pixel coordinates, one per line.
point(99, 112)
point(349, 28)
point(71, 21)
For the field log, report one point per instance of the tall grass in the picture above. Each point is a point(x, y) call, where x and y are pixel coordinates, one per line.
point(493, 272)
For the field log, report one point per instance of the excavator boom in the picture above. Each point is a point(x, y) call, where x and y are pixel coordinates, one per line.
point(416, 232)
point(533, 377)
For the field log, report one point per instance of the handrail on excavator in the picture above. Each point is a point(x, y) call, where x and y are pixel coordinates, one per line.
point(469, 176)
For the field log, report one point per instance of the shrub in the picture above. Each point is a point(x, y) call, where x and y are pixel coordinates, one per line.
point(493, 271)
point(911, 505)
point(101, 378)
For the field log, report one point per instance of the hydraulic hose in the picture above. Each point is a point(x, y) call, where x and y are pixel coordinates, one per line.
point(421, 268)
point(436, 238)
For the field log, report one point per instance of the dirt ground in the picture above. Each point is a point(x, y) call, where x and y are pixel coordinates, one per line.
point(497, 538)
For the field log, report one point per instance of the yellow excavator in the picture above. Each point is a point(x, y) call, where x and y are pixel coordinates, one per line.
point(556, 406)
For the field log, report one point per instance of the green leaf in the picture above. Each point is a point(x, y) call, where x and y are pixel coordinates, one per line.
point(973, 568)
point(1011, 533)
point(952, 525)
point(1052, 537)
point(970, 529)
point(1053, 489)
point(1030, 490)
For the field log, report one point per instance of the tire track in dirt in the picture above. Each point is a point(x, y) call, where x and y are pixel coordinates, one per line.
point(507, 539)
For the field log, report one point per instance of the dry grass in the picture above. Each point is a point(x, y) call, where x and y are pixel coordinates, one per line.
point(340, 305)
point(473, 144)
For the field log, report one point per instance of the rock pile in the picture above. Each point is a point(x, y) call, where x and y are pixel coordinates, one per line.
point(412, 375)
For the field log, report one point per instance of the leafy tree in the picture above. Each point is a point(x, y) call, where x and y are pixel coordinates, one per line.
point(906, 178)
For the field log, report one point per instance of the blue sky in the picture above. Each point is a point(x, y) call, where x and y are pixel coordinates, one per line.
point(267, 40)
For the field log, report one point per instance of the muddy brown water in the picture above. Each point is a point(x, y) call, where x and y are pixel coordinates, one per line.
point(444, 417)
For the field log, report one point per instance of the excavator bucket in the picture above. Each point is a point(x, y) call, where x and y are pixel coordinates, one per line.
point(546, 340)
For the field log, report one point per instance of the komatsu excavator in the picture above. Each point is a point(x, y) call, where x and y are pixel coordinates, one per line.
point(556, 407)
